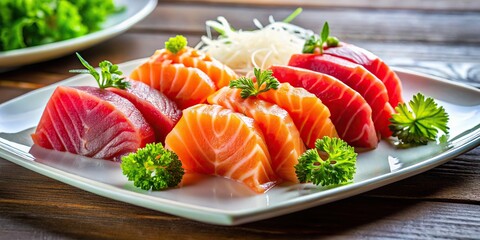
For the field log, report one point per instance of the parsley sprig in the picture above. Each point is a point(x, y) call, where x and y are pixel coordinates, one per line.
point(153, 167)
point(331, 162)
point(316, 42)
point(109, 76)
point(265, 82)
point(421, 124)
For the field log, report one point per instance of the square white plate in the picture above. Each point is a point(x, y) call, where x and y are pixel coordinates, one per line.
point(220, 201)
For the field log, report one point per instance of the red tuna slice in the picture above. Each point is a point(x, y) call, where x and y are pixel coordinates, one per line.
point(213, 140)
point(373, 64)
point(92, 122)
point(281, 135)
point(160, 112)
point(350, 113)
point(358, 78)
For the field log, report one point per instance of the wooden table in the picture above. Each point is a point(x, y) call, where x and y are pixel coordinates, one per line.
point(443, 202)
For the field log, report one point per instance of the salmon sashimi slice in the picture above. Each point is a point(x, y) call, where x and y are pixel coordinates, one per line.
point(310, 116)
point(281, 135)
point(373, 64)
point(220, 74)
point(160, 112)
point(186, 86)
point(350, 113)
point(92, 122)
point(213, 140)
point(358, 78)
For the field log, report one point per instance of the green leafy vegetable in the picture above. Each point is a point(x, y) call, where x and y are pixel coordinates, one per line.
point(421, 124)
point(331, 162)
point(153, 167)
point(25, 23)
point(175, 44)
point(265, 82)
point(316, 42)
point(109, 76)
point(95, 12)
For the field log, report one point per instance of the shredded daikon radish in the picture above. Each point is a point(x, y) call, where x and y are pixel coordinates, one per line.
point(244, 50)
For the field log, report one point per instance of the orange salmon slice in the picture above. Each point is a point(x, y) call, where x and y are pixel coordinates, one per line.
point(213, 140)
point(310, 115)
point(220, 73)
point(281, 135)
point(185, 86)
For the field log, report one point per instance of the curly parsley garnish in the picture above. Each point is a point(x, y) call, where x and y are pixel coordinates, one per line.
point(331, 162)
point(316, 42)
point(265, 82)
point(421, 124)
point(153, 167)
point(109, 76)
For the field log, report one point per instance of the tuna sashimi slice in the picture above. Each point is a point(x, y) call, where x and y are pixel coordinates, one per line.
point(281, 135)
point(373, 64)
point(350, 113)
point(213, 140)
point(220, 74)
point(358, 78)
point(92, 122)
point(310, 115)
point(160, 112)
point(186, 86)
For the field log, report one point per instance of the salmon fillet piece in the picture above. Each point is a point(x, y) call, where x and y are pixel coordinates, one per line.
point(310, 115)
point(213, 140)
point(281, 135)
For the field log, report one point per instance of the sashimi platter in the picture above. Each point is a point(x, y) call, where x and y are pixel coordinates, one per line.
point(244, 126)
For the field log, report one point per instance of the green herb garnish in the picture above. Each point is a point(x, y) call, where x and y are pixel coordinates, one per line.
point(293, 15)
point(153, 167)
point(331, 162)
point(109, 76)
point(265, 82)
point(315, 41)
point(175, 44)
point(421, 124)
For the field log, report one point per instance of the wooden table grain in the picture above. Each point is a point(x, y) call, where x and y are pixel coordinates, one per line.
point(441, 203)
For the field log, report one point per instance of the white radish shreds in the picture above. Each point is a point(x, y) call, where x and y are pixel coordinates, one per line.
point(244, 50)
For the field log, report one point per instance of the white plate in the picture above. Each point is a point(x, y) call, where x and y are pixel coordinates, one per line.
point(115, 24)
point(220, 201)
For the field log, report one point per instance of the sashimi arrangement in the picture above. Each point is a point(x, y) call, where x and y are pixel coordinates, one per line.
point(184, 111)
